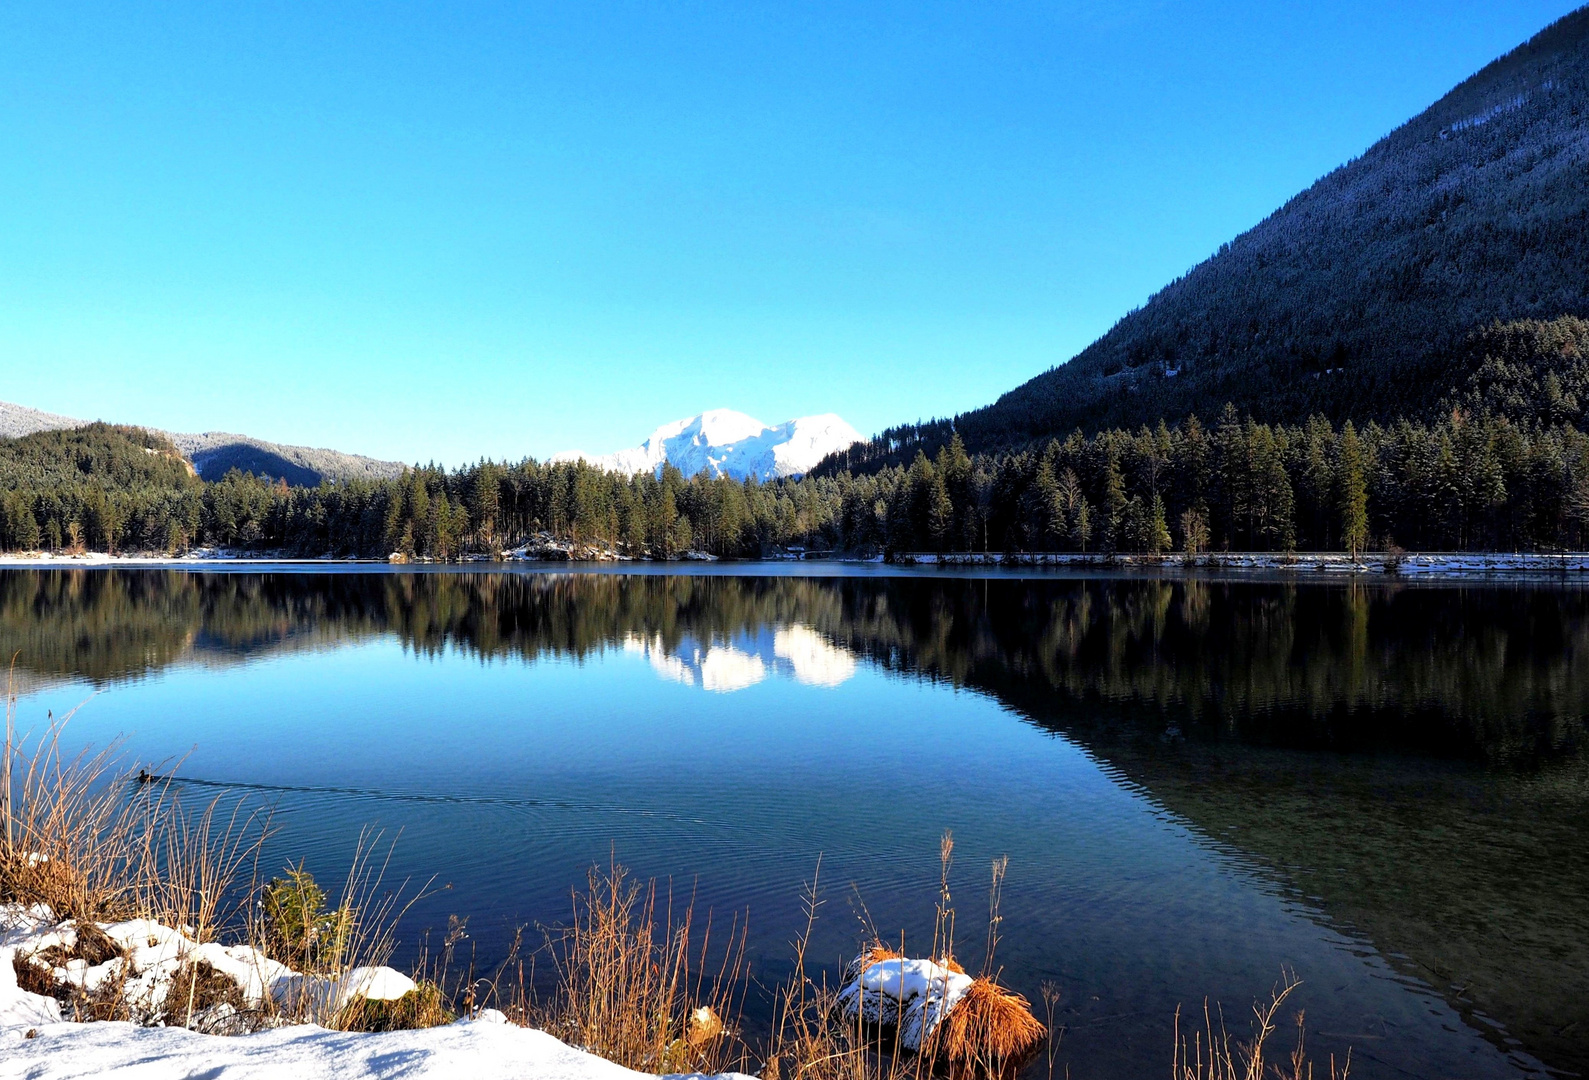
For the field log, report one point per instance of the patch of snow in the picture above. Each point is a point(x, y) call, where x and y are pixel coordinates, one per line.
point(154, 954)
point(36, 1043)
point(481, 1049)
point(327, 996)
point(1479, 119)
point(722, 442)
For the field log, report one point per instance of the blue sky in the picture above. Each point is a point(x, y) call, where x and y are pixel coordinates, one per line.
point(440, 232)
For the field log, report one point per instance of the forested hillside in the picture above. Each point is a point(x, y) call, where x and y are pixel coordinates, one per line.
point(1356, 299)
point(1471, 480)
point(215, 453)
point(102, 487)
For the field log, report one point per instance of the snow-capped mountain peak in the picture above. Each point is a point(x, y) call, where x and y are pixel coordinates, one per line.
point(722, 442)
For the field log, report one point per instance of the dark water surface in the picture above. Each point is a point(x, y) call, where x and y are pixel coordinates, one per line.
point(1197, 781)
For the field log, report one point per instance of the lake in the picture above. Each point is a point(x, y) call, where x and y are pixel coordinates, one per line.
point(1198, 781)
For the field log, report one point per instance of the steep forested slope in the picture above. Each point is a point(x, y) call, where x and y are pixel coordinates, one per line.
point(1358, 297)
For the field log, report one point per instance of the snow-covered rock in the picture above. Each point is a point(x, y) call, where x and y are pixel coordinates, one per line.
point(912, 996)
point(327, 996)
point(37, 1044)
point(723, 442)
point(151, 957)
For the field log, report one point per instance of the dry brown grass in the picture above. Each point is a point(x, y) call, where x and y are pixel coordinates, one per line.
point(811, 1040)
point(988, 1036)
point(426, 1006)
point(98, 843)
point(197, 988)
point(633, 980)
point(95, 843)
point(1211, 1053)
point(990, 1033)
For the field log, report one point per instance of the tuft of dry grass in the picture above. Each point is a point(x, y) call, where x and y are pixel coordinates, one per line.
point(1211, 1054)
point(33, 974)
point(990, 1033)
point(96, 843)
point(425, 1006)
point(812, 1039)
point(198, 988)
point(634, 986)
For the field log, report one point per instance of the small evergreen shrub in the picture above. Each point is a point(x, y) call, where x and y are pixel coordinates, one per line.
point(299, 928)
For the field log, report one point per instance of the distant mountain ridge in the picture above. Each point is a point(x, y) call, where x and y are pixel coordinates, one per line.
point(722, 442)
point(1357, 297)
point(215, 453)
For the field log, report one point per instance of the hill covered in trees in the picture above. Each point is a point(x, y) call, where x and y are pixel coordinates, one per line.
point(1471, 480)
point(1359, 298)
point(215, 453)
point(100, 487)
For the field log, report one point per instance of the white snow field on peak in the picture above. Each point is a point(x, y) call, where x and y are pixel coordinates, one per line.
point(722, 442)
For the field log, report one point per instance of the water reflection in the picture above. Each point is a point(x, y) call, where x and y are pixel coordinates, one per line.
point(1496, 674)
point(1404, 760)
point(795, 652)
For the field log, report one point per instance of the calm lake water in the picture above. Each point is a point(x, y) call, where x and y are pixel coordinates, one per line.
point(1197, 782)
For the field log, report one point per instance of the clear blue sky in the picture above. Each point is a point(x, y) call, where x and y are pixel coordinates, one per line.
point(436, 232)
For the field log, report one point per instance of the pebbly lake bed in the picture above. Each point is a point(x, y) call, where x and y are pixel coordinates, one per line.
point(1199, 780)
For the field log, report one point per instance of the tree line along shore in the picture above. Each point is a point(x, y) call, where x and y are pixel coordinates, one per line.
point(1468, 481)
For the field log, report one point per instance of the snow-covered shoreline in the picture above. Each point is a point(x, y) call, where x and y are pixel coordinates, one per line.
point(486, 1048)
point(37, 1042)
point(1425, 565)
point(1409, 564)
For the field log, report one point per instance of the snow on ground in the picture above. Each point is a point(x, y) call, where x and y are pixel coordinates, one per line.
point(1455, 564)
point(1433, 564)
point(480, 1049)
point(151, 957)
point(35, 1043)
point(198, 556)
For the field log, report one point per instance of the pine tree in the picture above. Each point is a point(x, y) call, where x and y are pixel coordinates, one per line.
point(1158, 538)
point(954, 466)
point(1081, 525)
point(1351, 491)
point(1114, 505)
point(1232, 472)
point(940, 513)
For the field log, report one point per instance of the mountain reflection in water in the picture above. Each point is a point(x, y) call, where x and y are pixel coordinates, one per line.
point(1405, 761)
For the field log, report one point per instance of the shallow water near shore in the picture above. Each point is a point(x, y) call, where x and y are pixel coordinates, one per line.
point(1197, 781)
